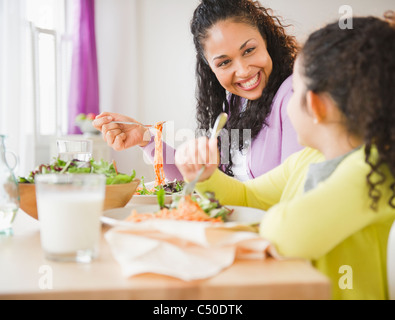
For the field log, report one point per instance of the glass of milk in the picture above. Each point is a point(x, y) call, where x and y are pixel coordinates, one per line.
point(69, 210)
point(69, 150)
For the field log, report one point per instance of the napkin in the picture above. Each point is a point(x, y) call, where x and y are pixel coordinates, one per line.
point(183, 249)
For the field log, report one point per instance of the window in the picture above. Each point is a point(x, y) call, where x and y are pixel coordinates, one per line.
point(36, 50)
point(50, 57)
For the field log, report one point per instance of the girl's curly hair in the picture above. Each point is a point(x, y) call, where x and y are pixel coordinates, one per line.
point(357, 68)
point(211, 96)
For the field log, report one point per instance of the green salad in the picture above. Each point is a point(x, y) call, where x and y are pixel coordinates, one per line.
point(169, 188)
point(206, 201)
point(76, 167)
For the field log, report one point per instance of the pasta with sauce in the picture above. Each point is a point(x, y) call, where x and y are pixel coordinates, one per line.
point(187, 210)
point(158, 157)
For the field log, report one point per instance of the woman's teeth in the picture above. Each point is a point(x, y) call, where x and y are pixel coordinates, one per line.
point(250, 83)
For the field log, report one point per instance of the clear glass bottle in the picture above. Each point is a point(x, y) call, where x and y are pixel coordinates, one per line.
point(9, 193)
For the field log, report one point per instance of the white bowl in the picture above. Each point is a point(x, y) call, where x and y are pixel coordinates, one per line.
point(86, 126)
point(149, 199)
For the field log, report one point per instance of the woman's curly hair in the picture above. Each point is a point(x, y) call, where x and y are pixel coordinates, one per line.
point(211, 96)
point(357, 68)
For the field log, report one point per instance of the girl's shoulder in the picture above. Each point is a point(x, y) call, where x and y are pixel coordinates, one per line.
point(303, 158)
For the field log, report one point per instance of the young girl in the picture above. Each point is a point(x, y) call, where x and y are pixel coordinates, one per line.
point(244, 63)
point(333, 202)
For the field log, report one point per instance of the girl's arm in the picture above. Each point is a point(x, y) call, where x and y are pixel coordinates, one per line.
point(313, 223)
point(262, 192)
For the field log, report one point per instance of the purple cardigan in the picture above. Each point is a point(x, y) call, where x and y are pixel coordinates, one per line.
point(271, 147)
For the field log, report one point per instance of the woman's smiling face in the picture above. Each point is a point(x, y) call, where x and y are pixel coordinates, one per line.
point(238, 56)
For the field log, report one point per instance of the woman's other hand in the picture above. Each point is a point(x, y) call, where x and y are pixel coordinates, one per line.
point(192, 155)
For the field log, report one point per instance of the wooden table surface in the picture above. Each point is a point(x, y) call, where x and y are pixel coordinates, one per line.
point(26, 274)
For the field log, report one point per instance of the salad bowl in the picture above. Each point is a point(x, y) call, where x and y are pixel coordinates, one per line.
point(120, 187)
point(146, 193)
point(117, 196)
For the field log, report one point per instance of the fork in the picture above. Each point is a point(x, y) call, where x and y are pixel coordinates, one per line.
point(135, 123)
point(188, 189)
point(219, 124)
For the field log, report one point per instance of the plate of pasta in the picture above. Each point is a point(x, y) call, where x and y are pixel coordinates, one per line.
point(190, 208)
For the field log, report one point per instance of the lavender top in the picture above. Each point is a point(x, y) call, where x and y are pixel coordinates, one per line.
point(278, 140)
point(270, 148)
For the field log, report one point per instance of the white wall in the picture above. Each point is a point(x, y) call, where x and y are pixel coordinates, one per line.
point(146, 66)
point(308, 15)
point(146, 57)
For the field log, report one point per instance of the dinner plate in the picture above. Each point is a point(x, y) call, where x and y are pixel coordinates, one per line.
point(116, 217)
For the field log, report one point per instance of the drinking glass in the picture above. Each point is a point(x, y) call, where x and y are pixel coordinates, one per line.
point(69, 210)
point(80, 150)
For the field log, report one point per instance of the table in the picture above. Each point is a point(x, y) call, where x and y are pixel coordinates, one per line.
point(26, 274)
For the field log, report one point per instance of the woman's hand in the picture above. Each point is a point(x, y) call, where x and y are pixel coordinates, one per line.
point(121, 136)
point(192, 155)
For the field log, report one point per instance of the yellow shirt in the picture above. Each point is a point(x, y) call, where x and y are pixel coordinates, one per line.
point(331, 225)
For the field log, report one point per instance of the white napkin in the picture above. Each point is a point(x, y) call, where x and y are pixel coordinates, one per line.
point(182, 249)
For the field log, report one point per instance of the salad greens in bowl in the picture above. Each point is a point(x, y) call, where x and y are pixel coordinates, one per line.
point(76, 166)
point(120, 187)
point(149, 189)
point(147, 192)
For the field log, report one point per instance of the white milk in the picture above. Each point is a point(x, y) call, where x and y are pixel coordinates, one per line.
point(70, 221)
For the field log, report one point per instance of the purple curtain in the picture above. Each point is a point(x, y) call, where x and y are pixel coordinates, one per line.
point(84, 86)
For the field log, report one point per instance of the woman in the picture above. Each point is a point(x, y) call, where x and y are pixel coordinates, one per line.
point(244, 63)
point(333, 202)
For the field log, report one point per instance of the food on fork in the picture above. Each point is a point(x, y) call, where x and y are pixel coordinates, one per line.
point(158, 157)
point(160, 179)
